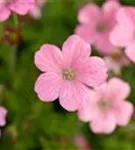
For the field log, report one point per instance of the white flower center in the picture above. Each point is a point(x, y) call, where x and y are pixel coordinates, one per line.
point(68, 74)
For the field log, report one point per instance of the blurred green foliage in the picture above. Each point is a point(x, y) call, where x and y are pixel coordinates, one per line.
point(32, 124)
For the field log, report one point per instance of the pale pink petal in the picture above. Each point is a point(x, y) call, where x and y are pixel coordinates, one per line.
point(94, 72)
point(123, 113)
point(4, 13)
point(106, 124)
point(103, 44)
point(121, 35)
point(48, 86)
point(102, 90)
point(126, 17)
point(89, 13)
point(35, 12)
point(73, 95)
point(84, 114)
point(90, 111)
point(3, 113)
point(118, 89)
point(130, 51)
point(111, 6)
point(48, 58)
point(75, 50)
point(21, 7)
point(87, 32)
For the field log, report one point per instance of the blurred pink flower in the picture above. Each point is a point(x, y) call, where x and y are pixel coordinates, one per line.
point(108, 107)
point(96, 24)
point(68, 73)
point(123, 34)
point(21, 7)
point(81, 142)
point(3, 114)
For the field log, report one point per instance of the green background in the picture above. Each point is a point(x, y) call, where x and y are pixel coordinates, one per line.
point(32, 124)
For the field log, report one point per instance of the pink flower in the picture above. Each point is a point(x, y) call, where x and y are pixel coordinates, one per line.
point(68, 73)
point(96, 24)
point(3, 114)
point(21, 7)
point(123, 34)
point(108, 107)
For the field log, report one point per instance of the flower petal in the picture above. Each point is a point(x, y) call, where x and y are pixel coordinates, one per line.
point(123, 113)
point(106, 124)
point(130, 51)
point(73, 95)
point(21, 7)
point(94, 72)
point(3, 113)
point(88, 112)
point(121, 35)
point(126, 16)
point(35, 12)
point(118, 89)
point(4, 13)
point(103, 44)
point(88, 13)
point(48, 86)
point(75, 50)
point(48, 58)
point(84, 114)
point(111, 6)
point(87, 32)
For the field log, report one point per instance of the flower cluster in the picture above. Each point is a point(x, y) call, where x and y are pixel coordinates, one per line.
point(96, 26)
point(80, 80)
point(21, 7)
point(71, 74)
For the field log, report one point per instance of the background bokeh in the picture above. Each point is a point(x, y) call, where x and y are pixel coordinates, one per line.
point(32, 124)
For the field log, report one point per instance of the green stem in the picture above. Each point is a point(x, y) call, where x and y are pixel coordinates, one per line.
point(15, 20)
point(13, 60)
point(13, 52)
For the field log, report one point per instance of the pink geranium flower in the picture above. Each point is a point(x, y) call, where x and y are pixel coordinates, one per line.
point(21, 7)
point(123, 34)
point(96, 24)
point(68, 73)
point(108, 107)
point(3, 114)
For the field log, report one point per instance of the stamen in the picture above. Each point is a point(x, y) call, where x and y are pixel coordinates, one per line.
point(68, 74)
point(117, 55)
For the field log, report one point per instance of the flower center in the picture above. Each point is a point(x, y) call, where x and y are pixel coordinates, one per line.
point(117, 55)
point(104, 105)
point(100, 27)
point(68, 74)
